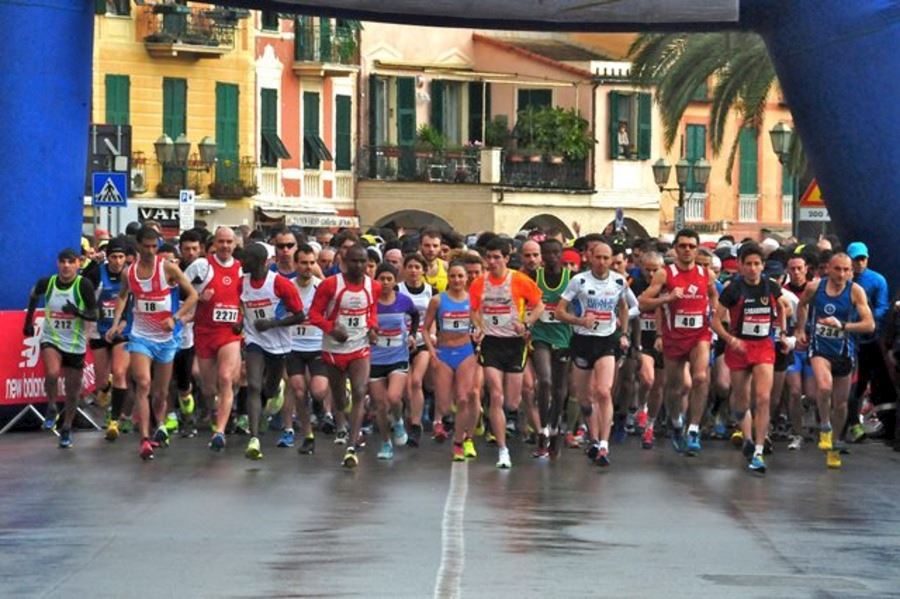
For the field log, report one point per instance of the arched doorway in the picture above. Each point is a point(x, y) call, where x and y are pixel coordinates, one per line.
point(413, 219)
point(546, 222)
point(632, 229)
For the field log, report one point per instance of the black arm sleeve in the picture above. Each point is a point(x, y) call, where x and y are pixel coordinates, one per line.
point(89, 297)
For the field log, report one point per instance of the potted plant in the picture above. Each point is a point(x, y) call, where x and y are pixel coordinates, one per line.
point(430, 138)
point(497, 133)
point(575, 141)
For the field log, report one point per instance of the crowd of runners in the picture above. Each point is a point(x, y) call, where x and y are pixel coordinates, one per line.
point(379, 340)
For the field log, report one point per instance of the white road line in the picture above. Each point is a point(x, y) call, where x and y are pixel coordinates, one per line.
point(449, 575)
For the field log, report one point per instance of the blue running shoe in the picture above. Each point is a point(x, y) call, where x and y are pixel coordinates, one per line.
point(720, 431)
point(399, 433)
point(50, 422)
point(217, 443)
point(757, 464)
point(692, 447)
point(65, 439)
point(287, 438)
point(678, 442)
point(386, 452)
point(602, 458)
point(619, 433)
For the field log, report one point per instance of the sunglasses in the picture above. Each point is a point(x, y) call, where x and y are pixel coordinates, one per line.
point(285, 246)
point(687, 246)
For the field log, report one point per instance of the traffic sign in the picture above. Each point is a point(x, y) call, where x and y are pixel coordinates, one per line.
point(186, 206)
point(110, 189)
point(812, 204)
point(679, 218)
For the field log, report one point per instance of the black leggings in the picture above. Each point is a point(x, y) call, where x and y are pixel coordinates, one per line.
point(182, 367)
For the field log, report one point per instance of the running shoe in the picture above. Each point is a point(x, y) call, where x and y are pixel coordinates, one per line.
point(825, 440)
point(748, 449)
point(469, 449)
point(439, 435)
point(50, 421)
point(640, 422)
point(602, 458)
point(386, 452)
point(274, 404)
point(308, 446)
point(692, 447)
point(399, 433)
point(479, 427)
point(541, 452)
point(512, 426)
point(490, 438)
point(217, 443)
point(856, 434)
point(340, 438)
point(630, 423)
point(833, 459)
point(581, 434)
point(757, 464)
point(796, 442)
point(350, 460)
point(720, 431)
point(253, 451)
point(161, 436)
point(619, 434)
point(571, 441)
point(737, 439)
point(112, 431)
point(327, 425)
point(768, 446)
point(242, 425)
point(361, 440)
point(126, 425)
point(65, 439)
point(172, 422)
point(593, 451)
point(146, 450)
point(678, 442)
point(186, 404)
point(553, 445)
point(647, 438)
point(503, 461)
point(415, 435)
point(459, 454)
point(287, 438)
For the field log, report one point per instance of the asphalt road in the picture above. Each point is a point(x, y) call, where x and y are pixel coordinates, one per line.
point(95, 521)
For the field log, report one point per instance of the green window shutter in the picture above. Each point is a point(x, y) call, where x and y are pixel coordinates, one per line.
point(406, 111)
point(304, 39)
point(269, 20)
point(748, 163)
point(325, 39)
point(787, 182)
point(695, 149)
point(479, 102)
point(343, 133)
point(310, 129)
point(437, 105)
point(268, 125)
point(227, 132)
point(117, 99)
point(644, 134)
point(174, 107)
point(614, 124)
point(374, 134)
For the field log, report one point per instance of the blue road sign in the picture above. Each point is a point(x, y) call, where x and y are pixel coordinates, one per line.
point(110, 189)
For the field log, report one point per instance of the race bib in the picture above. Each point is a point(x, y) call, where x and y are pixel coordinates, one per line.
point(225, 315)
point(455, 324)
point(601, 319)
point(648, 324)
point(352, 321)
point(307, 330)
point(755, 329)
point(389, 339)
point(548, 316)
point(151, 306)
point(688, 321)
point(260, 312)
point(828, 332)
point(108, 310)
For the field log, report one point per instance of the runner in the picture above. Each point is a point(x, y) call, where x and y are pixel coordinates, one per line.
point(155, 336)
point(690, 293)
point(189, 245)
point(435, 270)
point(651, 375)
point(217, 345)
point(836, 309)
point(397, 316)
point(598, 333)
point(550, 340)
point(755, 308)
point(111, 357)
point(69, 302)
point(498, 301)
point(800, 380)
point(344, 307)
point(455, 366)
point(304, 364)
point(416, 289)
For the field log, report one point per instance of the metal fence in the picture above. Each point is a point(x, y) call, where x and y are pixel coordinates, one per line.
point(191, 25)
point(406, 163)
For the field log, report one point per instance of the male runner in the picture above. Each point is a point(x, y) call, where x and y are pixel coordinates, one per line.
point(344, 307)
point(597, 335)
point(69, 302)
point(430, 248)
point(799, 377)
point(531, 257)
point(650, 373)
point(189, 246)
point(836, 309)
point(218, 347)
point(498, 302)
point(155, 332)
point(685, 291)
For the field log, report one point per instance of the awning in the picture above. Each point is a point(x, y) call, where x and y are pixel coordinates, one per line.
point(306, 214)
point(314, 147)
point(461, 72)
point(275, 145)
point(199, 203)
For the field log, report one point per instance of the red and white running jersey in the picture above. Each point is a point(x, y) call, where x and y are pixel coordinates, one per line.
point(222, 309)
point(351, 306)
point(152, 303)
point(271, 300)
point(687, 317)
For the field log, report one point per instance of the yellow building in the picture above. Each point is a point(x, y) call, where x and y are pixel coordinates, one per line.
point(174, 69)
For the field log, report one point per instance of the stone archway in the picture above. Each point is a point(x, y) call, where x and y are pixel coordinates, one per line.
point(633, 229)
point(413, 219)
point(546, 222)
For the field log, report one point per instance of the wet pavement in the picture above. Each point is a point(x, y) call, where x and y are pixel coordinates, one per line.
point(95, 521)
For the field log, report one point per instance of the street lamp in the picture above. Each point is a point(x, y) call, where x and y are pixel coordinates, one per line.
point(684, 170)
point(182, 150)
point(782, 137)
point(165, 149)
point(208, 151)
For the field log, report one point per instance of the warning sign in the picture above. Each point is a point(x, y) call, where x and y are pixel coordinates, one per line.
point(110, 189)
point(812, 205)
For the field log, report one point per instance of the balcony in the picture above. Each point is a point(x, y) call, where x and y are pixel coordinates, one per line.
point(695, 207)
point(321, 52)
point(543, 172)
point(747, 205)
point(178, 31)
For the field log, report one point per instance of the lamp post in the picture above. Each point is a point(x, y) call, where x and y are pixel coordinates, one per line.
point(685, 170)
point(782, 137)
point(175, 154)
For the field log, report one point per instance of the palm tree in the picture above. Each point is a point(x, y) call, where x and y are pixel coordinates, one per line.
point(679, 63)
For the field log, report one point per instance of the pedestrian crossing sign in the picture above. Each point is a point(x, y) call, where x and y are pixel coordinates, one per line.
point(110, 189)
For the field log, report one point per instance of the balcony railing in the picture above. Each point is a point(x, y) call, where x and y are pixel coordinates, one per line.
point(174, 28)
point(269, 182)
point(312, 184)
point(344, 185)
point(747, 208)
point(318, 48)
point(695, 207)
point(543, 172)
point(406, 163)
point(787, 208)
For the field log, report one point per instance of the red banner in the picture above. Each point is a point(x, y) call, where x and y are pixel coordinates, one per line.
point(21, 370)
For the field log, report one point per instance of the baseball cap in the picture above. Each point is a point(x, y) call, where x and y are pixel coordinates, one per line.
point(857, 249)
point(769, 245)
